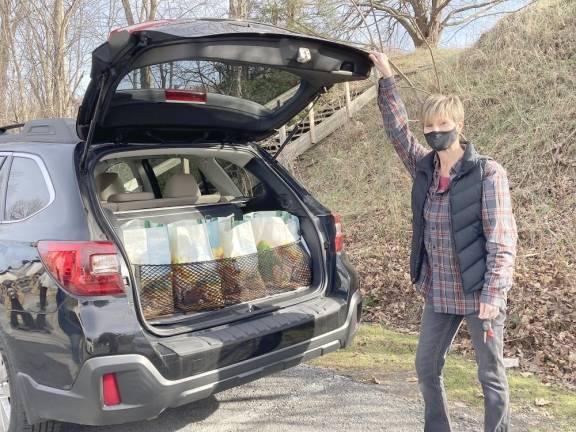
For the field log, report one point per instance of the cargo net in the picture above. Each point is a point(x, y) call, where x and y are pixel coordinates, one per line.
point(211, 285)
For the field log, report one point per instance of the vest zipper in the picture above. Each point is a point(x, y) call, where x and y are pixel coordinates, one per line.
point(453, 182)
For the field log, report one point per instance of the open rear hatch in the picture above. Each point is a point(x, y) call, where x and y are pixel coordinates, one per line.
point(196, 85)
point(137, 92)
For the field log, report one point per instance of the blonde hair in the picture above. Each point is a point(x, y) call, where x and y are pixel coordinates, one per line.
point(443, 106)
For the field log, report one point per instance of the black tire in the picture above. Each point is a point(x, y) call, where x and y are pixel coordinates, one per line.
point(18, 422)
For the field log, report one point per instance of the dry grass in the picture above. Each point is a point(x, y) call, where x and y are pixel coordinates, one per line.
point(518, 84)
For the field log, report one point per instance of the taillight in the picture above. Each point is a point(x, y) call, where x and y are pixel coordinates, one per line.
point(339, 238)
point(83, 268)
point(185, 96)
point(110, 390)
point(140, 27)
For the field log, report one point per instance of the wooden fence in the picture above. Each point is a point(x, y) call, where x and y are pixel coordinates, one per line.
point(327, 116)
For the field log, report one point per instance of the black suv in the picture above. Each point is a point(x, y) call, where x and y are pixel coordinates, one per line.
point(167, 131)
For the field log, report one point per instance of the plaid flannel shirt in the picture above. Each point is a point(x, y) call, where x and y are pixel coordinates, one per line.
point(439, 281)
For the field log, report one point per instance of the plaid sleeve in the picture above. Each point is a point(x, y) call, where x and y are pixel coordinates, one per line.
point(501, 235)
point(395, 120)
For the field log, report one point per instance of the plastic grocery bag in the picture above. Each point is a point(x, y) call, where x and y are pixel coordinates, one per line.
point(213, 229)
point(291, 221)
point(189, 241)
point(270, 232)
point(146, 246)
point(285, 267)
point(196, 280)
point(241, 280)
point(283, 261)
point(238, 240)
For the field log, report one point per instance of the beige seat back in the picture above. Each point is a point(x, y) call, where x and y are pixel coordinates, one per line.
point(107, 184)
point(180, 187)
point(180, 190)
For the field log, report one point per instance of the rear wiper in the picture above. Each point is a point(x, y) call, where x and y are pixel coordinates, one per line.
point(298, 125)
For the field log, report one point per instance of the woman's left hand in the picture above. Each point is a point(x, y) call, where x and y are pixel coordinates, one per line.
point(488, 311)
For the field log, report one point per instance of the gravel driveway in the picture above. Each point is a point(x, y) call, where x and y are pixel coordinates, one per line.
point(304, 398)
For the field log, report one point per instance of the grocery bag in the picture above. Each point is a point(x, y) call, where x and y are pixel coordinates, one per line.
point(271, 231)
point(189, 241)
point(286, 267)
point(238, 240)
point(148, 248)
point(196, 280)
point(241, 280)
point(282, 261)
point(291, 221)
point(213, 228)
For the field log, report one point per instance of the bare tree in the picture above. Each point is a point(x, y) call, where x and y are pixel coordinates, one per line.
point(424, 20)
point(50, 55)
point(10, 18)
point(148, 10)
point(239, 9)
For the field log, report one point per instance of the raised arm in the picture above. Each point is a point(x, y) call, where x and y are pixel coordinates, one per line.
point(501, 235)
point(395, 116)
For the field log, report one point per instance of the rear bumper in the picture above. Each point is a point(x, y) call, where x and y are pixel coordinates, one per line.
point(145, 393)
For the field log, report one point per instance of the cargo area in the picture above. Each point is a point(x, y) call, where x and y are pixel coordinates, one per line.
point(210, 232)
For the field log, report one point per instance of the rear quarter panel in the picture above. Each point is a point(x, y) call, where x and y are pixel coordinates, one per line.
point(42, 325)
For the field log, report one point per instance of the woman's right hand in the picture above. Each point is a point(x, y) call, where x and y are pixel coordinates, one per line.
point(382, 63)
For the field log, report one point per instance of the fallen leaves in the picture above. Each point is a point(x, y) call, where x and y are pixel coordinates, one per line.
point(541, 325)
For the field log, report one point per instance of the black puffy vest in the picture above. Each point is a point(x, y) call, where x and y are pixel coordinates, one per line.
point(465, 198)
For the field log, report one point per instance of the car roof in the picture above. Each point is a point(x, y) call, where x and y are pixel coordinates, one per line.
point(54, 130)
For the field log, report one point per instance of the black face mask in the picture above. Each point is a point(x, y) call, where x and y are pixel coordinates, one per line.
point(441, 140)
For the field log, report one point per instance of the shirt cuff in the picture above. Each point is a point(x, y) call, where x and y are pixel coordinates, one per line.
point(493, 299)
point(386, 83)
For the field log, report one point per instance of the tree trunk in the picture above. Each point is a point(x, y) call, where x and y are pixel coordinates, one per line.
point(6, 33)
point(148, 13)
point(58, 68)
point(238, 9)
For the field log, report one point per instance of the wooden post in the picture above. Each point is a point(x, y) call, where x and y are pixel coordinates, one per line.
point(348, 104)
point(311, 119)
point(281, 135)
point(375, 76)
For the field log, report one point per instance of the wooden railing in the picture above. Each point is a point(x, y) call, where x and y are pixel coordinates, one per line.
point(332, 110)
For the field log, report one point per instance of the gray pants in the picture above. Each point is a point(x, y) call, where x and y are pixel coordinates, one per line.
point(437, 332)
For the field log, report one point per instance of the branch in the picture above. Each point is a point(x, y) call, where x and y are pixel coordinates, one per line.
point(480, 14)
point(485, 6)
point(438, 86)
point(396, 14)
point(128, 12)
point(390, 61)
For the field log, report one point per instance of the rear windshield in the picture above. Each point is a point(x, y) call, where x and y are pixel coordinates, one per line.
point(213, 175)
point(256, 83)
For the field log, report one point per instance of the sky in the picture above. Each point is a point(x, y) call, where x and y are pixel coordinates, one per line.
point(454, 37)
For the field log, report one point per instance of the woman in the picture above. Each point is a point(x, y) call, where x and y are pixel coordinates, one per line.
point(463, 247)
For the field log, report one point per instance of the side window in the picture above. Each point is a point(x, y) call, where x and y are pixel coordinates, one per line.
point(27, 191)
point(248, 184)
point(130, 181)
